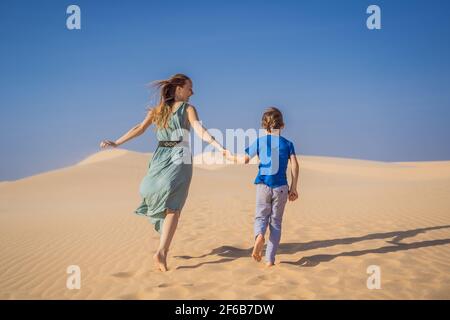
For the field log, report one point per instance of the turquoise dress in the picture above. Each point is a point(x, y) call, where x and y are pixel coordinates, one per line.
point(169, 174)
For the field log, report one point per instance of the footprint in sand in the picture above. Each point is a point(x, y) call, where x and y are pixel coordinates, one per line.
point(188, 285)
point(163, 285)
point(257, 280)
point(123, 274)
point(147, 293)
point(133, 296)
point(140, 295)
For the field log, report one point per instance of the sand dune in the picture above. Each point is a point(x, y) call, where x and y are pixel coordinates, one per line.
point(351, 214)
point(108, 155)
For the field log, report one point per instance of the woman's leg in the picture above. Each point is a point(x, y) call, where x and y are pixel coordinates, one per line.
point(169, 227)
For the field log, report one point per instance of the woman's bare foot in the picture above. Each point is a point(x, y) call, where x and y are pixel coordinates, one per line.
point(160, 260)
point(257, 249)
point(269, 264)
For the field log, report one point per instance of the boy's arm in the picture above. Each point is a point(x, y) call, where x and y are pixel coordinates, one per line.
point(293, 194)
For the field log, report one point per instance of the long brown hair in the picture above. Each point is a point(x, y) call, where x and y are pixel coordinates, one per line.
point(272, 119)
point(163, 110)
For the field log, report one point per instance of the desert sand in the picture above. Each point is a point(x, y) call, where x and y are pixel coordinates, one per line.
point(351, 214)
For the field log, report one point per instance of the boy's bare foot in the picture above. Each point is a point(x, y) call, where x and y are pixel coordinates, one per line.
point(269, 264)
point(160, 261)
point(257, 249)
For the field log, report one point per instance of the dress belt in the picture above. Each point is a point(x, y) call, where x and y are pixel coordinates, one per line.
point(168, 144)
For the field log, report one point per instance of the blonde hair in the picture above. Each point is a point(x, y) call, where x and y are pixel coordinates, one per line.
point(167, 88)
point(272, 119)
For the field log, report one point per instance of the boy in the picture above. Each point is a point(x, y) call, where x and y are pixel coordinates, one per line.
point(272, 190)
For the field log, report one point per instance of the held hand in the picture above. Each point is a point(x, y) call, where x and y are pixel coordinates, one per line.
point(108, 143)
point(293, 195)
point(227, 154)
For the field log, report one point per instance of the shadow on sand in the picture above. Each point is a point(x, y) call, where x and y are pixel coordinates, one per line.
point(230, 253)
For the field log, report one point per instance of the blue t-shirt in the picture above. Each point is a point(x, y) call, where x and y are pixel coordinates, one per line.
point(273, 152)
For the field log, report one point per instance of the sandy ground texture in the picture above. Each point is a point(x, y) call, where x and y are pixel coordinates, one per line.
point(351, 214)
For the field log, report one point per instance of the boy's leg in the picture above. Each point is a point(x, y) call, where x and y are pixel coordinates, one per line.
point(280, 196)
point(262, 214)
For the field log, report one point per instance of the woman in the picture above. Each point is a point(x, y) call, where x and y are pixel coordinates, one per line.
point(165, 187)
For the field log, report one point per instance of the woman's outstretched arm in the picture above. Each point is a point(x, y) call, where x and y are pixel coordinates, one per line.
point(137, 130)
point(201, 131)
point(239, 158)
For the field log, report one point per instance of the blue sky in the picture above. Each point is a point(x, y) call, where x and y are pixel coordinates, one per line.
point(345, 91)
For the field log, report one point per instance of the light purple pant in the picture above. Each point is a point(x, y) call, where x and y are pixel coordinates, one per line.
point(270, 203)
